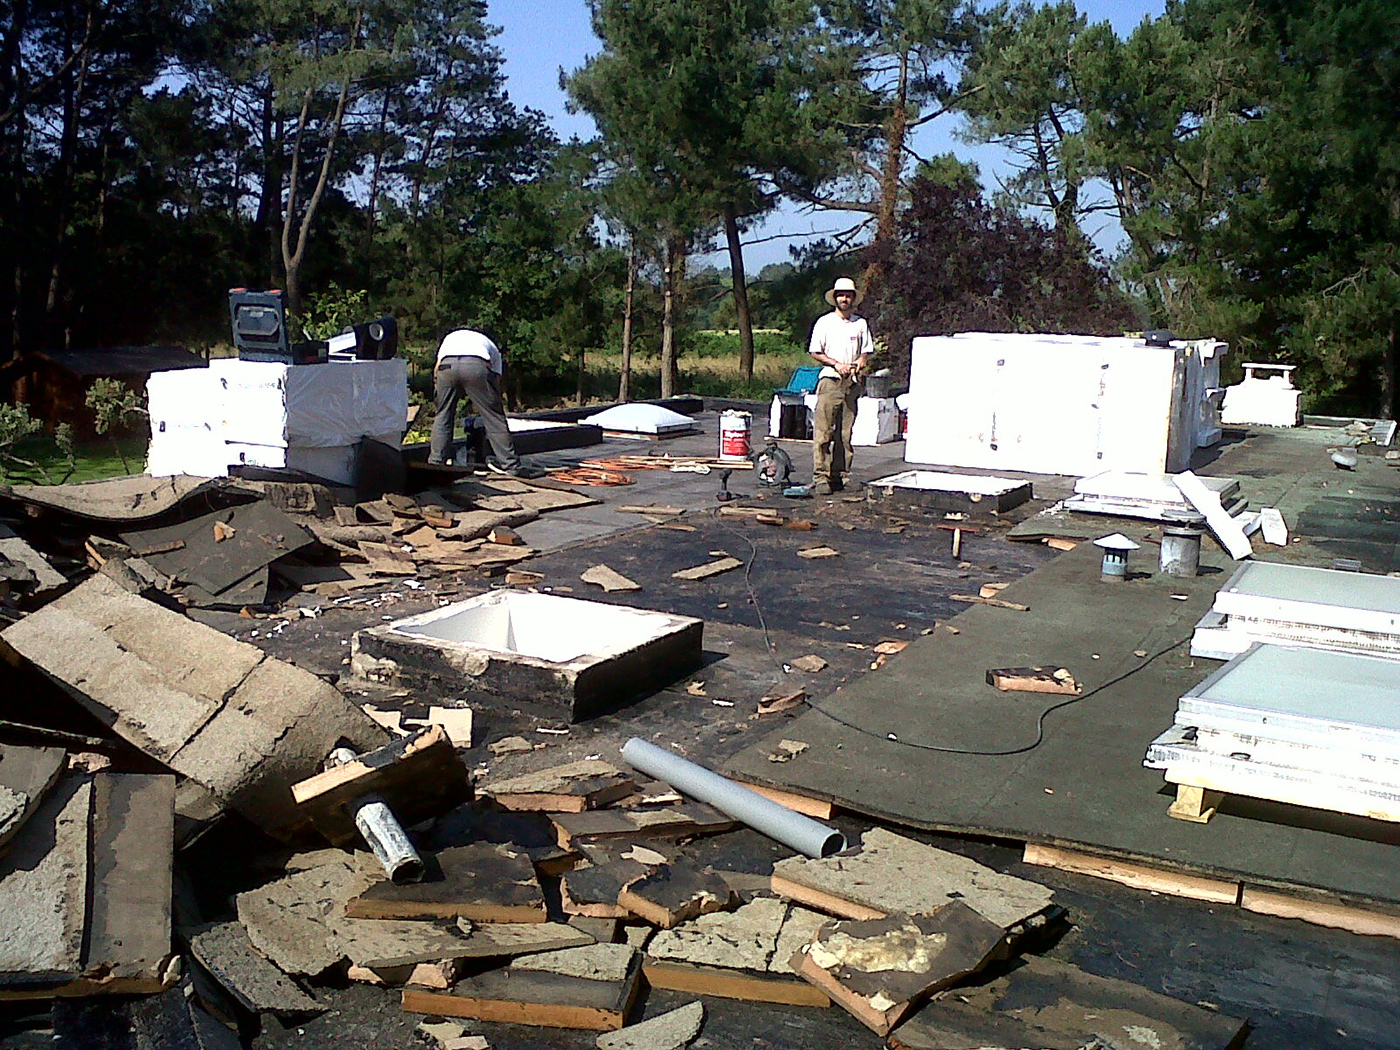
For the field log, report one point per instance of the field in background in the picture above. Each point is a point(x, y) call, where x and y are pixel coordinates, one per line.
point(709, 368)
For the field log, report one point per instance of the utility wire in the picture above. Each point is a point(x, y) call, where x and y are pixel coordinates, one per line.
point(890, 737)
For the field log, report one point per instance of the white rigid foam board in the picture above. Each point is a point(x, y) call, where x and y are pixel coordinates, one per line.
point(942, 481)
point(1355, 763)
point(182, 397)
point(1274, 528)
point(877, 421)
point(1307, 596)
point(334, 404)
point(1053, 404)
point(1184, 763)
point(1148, 488)
point(1226, 529)
point(1307, 696)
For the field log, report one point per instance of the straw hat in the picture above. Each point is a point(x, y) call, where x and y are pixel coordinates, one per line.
point(843, 284)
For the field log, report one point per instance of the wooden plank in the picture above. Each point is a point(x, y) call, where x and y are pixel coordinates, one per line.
point(1138, 876)
point(704, 572)
point(977, 599)
point(483, 882)
point(547, 1000)
point(1056, 680)
point(733, 984)
point(1335, 914)
point(656, 512)
point(1196, 804)
point(879, 969)
point(821, 900)
point(419, 776)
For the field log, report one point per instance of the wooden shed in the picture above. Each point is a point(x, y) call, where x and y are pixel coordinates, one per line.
point(54, 383)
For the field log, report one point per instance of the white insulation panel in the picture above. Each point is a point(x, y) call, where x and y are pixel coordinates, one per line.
point(1053, 404)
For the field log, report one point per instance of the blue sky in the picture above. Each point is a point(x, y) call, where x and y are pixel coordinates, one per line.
point(541, 37)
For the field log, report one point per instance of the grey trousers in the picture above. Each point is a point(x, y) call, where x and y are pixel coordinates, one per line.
point(471, 377)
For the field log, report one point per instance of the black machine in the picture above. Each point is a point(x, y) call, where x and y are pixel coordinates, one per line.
point(373, 341)
point(260, 330)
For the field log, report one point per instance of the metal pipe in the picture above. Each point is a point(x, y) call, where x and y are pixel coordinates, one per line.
point(381, 830)
point(777, 822)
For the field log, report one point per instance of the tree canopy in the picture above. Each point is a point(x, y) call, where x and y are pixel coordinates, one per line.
point(156, 154)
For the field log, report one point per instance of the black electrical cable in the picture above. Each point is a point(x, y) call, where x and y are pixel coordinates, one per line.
point(890, 737)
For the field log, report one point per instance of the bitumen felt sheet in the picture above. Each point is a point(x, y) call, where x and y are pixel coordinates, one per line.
point(895, 745)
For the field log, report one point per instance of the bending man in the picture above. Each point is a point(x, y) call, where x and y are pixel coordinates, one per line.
point(469, 364)
point(841, 344)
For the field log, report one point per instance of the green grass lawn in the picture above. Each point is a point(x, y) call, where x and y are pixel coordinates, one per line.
point(92, 461)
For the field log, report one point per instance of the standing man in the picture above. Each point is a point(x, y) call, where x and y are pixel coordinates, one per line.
point(841, 343)
point(468, 363)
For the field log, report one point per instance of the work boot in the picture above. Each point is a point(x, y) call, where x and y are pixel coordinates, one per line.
point(821, 487)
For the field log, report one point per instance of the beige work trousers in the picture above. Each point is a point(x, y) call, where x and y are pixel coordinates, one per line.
point(832, 420)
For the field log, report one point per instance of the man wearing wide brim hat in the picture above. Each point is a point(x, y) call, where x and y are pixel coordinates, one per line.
point(841, 344)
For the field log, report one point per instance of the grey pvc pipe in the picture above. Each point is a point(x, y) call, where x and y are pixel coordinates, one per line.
point(762, 814)
point(382, 831)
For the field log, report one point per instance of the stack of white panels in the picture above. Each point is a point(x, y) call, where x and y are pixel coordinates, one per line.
point(1302, 726)
point(1299, 605)
point(1154, 497)
point(258, 413)
point(1060, 404)
point(185, 435)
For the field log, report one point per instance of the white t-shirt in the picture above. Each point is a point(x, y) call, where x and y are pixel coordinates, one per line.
point(466, 343)
point(841, 340)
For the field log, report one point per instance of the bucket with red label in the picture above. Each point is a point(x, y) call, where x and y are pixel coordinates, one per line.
point(734, 430)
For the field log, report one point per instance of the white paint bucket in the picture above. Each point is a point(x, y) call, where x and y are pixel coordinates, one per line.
point(733, 434)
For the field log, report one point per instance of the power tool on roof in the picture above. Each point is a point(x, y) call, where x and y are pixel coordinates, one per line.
point(774, 466)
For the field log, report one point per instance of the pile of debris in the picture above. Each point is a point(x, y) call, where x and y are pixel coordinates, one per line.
point(142, 740)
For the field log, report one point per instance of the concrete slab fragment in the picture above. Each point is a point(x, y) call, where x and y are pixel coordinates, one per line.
point(892, 873)
point(26, 776)
point(133, 841)
point(225, 950)
point(669, 1031)
point(242, 725)
point(593, 962)
point(289, 919)
point(43, 891)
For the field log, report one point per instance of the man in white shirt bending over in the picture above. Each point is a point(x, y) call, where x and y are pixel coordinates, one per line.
point(841, 344)
point(468, 363)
